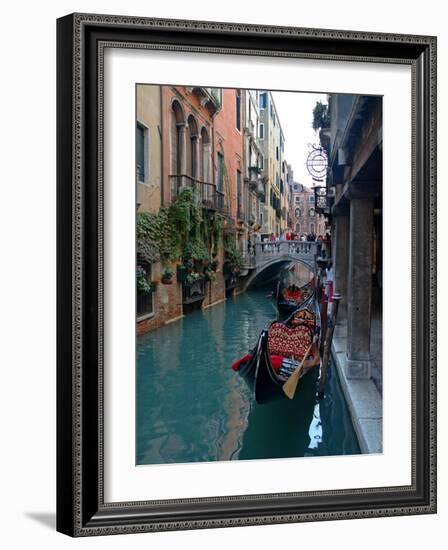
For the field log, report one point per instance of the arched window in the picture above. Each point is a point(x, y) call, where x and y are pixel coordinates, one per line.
point(192, 148)
point(205, 172)
point(312, 212)
point(298, 228)
point(311, 227)
point(177, 138)
point(298, 212)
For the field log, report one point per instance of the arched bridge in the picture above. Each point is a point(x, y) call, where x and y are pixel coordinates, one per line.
point(266, 254)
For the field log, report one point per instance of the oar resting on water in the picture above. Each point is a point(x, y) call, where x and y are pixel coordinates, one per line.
point(290, 386)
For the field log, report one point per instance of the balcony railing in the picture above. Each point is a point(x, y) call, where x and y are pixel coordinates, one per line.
point(269, 249)
point(194, 292)
point(207, 194)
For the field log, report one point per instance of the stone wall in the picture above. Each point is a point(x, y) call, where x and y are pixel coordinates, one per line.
point(167, 303)
point(216, 291)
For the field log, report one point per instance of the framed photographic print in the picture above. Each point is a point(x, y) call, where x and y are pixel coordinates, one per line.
point(246, 274)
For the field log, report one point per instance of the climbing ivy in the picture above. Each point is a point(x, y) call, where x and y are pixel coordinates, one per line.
point(180, 230)
point(157, 230)
point(216, 228)
point(232, 254)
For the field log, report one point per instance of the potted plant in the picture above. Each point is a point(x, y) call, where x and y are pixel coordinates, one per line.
point(192, 277)
point(210, 275)
point(167, 276)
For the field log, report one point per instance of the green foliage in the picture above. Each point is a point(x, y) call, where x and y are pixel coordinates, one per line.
point(180, 230)
point(320, 116)
point(232, 254)
point(157, 230)
point(195, 249)
point(216, 227)
point(192, 278)
point(210, 275)
point(143, 286)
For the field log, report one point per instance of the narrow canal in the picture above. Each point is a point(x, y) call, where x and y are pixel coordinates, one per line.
point(191, 406)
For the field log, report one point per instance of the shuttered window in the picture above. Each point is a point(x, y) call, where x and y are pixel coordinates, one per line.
point(140, 161)
point(239, 194)
point(238, 109)
point(220, 172)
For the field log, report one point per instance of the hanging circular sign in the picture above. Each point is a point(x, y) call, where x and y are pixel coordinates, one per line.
point(317, 163)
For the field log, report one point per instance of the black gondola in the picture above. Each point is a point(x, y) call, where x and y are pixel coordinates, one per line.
point(261, 369)
point(288, 300)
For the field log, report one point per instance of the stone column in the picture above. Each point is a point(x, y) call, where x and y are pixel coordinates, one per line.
point(196, 159)
point(182, 148)
point(340, 255)
point(206, 162)
point(359, 287)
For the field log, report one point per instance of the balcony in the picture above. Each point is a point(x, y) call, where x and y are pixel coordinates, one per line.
point(209, 98)
point(207, 194)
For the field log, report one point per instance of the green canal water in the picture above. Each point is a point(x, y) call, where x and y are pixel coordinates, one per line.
point(192, 407)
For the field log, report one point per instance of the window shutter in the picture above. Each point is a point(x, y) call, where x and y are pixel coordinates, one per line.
point(140, 153)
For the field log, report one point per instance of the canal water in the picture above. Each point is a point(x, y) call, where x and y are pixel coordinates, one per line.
point(192, 407)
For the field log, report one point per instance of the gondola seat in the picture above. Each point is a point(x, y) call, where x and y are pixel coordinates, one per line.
point(303, 317)
point(294, 296)
point(289, 342)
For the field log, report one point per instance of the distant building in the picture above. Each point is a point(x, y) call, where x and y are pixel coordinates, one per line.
point(253, 162)
point(305, 219)
point(272, 145)
point(149, 148)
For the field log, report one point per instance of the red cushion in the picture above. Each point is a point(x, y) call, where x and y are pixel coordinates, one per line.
point(276, 361)
point(296, 295)
point(236, 366)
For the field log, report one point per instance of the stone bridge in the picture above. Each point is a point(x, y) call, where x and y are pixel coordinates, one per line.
point(265, 255)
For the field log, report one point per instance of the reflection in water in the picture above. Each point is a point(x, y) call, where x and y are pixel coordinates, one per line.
point(191, 407)
point(315, 431)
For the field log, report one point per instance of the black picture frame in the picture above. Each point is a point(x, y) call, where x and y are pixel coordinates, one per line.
point(81, 510)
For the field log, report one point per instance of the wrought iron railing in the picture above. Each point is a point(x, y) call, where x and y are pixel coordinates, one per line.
point(145, 304)
point(193, 292)
point(207, 193)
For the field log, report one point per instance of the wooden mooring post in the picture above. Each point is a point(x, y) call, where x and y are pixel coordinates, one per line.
point(327, 344)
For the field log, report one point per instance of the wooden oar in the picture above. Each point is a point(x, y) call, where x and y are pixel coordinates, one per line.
point(290, 386)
